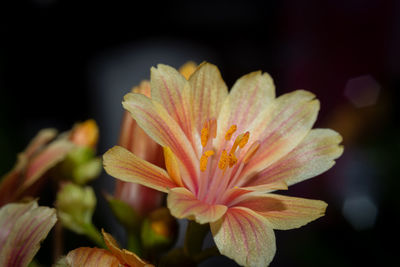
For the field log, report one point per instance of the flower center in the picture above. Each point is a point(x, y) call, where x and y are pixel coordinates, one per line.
point(226, 159)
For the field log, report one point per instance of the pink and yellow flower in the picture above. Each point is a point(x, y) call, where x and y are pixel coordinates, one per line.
point(226, 152)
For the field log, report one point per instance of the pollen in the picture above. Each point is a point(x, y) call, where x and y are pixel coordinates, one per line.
point(243, 141)
point(205, 134)
point(231, 131)
point(224, 160)
point(204, 159)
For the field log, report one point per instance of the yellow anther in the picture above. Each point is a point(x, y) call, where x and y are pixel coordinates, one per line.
point(204, 159)
point(205, 133)
point(209, 153)
point(243, 141)
point(232, 160)
point(224, 160)
point(229, 133)
point(251, 151)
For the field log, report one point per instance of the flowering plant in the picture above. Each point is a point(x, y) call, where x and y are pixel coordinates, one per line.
point(218, 155)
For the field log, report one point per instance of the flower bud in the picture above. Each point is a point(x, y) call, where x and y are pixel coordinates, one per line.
point(75, 205)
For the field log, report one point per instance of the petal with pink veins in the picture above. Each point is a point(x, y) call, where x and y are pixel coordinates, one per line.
point(313, 156)
point(22, 228)
point(91, 257)
point(250, 95)
point(183, 204)
point(285, 212)
point(208, 93)
point(160, 126)
point(124, 165)
point(245, 236)
point(287, 120)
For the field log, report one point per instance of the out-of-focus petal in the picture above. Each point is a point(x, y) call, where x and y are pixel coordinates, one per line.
point(41, 163)
point(285, 212)
point(42, 138)
point(287, 120)
point(313, 156)
point(208, 93)
point(245, 236)
point(85, 134)
point(124, 165)
point(125, 257)
point(22, 228)
point(187, 69)
point(183, 204)
point(159, 125)
point(91, 257)
point(249, 96)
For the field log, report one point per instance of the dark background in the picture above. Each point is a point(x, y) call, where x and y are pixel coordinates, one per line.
point(61, 62)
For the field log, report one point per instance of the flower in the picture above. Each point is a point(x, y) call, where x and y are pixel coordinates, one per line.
point(225, 154)
point(22, 227)
point(97, 257)
point(44, 152)
point(142, 199)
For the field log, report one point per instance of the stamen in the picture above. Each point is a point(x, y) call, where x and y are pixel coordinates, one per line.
point(251, 151)
point(231, 131)
point(224, 160)
point(243, 141)
point(204, 159)
point(232, 160)
point(205, 134)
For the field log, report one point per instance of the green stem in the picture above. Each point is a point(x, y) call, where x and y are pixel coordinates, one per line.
point(205, 254)
point(133, 243)
point(93, 234)
point(195, 234)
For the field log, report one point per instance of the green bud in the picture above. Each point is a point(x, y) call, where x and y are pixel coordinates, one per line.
point(81, 165)
point(159, 230)
point(75, 205)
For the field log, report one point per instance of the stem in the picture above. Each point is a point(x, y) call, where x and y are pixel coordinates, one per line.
point(93, 234)
point(58, 241)
point(133, 243)
point(195, 234)
point(207, 253)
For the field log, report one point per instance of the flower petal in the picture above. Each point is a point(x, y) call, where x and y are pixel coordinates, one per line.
point(208, 93)
point(45, 160)
point(250, 95)
point(244, 236)
point(286, 122)
point(167, 86)
point(313, 156)
point(126, 257)
point(42, 138)
point(22, 228)
point(157, 123)
point(122, 164)
point(285, 212)
point(183, 204)
point(91, 257)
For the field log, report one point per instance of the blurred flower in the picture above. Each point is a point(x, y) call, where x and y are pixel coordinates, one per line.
point(96, 257)
point(22, 227)
point(45, 151)
point(142, 199)
point(213, 175)
point(27, 175)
